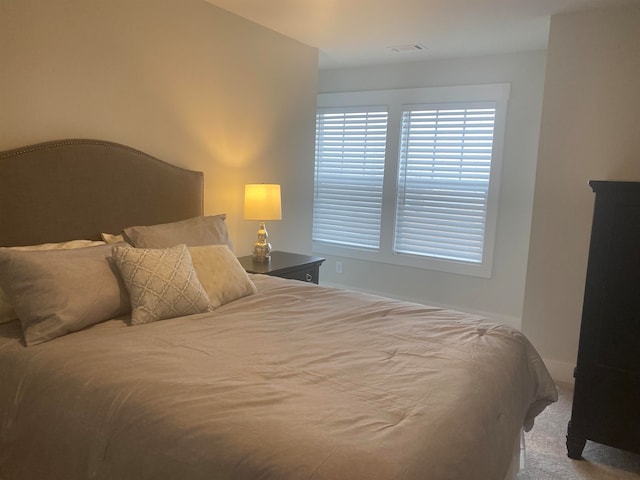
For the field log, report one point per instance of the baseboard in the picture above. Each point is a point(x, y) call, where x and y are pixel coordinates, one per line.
point(560, 371)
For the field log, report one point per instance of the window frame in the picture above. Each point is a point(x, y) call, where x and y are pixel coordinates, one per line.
point(395, 100)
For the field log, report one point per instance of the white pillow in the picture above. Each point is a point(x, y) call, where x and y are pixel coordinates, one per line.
point(7, 313)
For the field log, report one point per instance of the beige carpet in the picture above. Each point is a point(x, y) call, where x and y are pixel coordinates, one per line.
point(546, 454)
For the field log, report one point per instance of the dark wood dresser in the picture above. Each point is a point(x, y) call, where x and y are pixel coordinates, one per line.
point(606, 402)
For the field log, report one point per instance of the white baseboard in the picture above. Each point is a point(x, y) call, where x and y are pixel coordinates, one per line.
point(560, 371)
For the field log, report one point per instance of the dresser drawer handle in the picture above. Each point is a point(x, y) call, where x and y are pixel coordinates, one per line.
point(308, 277)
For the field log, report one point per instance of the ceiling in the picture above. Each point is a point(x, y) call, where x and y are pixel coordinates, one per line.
point(360, 32)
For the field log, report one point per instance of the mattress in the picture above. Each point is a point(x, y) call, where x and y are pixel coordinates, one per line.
point(298, 381)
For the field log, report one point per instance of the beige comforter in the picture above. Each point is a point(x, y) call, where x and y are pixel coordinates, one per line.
point(296, 382)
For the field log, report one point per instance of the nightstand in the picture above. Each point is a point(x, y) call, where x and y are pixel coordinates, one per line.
point(286, 265)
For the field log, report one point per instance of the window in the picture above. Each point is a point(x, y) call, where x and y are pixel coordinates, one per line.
point(443, 182)
point(410, 177)
point(349, 174)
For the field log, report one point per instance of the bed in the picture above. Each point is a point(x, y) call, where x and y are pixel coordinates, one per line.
point(286, 380)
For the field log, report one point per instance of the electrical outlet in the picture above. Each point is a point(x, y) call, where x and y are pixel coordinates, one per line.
point(338, 267)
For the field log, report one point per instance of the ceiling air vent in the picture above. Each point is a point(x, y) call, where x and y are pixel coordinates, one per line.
point(409, 48)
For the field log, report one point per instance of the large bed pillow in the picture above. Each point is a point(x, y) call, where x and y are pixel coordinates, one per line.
point(196, 231)
point(55, 292)
point(7, 313)
point(161, 282)
point(221, 274)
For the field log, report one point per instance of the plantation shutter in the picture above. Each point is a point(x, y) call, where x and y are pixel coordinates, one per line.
point(443, 182)
point(349, 173)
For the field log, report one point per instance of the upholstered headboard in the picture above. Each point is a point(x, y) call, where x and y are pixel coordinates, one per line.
point(76, 189)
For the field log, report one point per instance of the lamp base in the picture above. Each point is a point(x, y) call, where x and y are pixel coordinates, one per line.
point(262, 248)
point(261, 258)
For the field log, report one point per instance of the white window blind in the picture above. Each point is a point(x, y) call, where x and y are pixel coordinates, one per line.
point(443, 180)
point(349, 175)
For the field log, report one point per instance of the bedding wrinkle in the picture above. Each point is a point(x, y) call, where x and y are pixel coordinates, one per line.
point(12, 411)
point(197, 349)
point(322, 462)
point(102, 438)
point(390, 355)
point(369, 391)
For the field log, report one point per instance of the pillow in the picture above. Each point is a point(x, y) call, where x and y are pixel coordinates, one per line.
point(7, 313)
point(210, 230)
point(162, 283)
point(70, 245)
point(55, 292)
point(221, 274)
point(111, 239)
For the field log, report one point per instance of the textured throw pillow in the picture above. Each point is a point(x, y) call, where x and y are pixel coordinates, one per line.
point(7, 313)
point(162, 283)
point(210, 230)
point(55, 292)
point(221, 274)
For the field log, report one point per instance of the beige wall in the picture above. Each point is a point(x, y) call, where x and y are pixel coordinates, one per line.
point(590, 130)
point(501, 296)
point(179, 79)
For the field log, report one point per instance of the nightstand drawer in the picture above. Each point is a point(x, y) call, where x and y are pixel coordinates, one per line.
point(293, 266)
point(303, 274)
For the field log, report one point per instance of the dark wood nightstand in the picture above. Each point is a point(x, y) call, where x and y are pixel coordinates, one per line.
point(286, 265)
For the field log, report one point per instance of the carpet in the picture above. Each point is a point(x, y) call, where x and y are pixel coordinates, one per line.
point(546, 454)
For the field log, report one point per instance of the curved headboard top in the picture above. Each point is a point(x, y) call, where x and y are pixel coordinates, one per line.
point(77, 188)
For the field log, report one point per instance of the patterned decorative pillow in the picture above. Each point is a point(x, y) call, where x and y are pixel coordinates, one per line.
point(162, 283)
point(221, 274)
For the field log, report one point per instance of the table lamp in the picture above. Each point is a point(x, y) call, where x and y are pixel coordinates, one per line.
point(262, 202)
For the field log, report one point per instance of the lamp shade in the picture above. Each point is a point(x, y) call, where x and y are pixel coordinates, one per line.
point(262, 201)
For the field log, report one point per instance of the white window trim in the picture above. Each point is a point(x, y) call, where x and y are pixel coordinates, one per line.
point(395, 99)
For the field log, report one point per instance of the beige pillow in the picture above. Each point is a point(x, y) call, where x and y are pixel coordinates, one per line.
point(210, 230)
point(221, 274)
point(55, 292)
point(7, 313)
point(162, 283)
